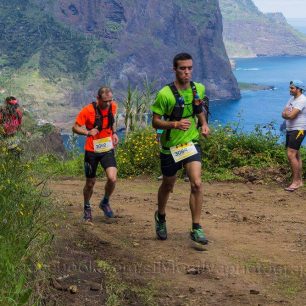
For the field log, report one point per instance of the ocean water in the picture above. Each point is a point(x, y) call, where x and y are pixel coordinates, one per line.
point(255, 107)
point(264, 106)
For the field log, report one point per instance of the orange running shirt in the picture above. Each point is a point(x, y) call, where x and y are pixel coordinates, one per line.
point(87, 117)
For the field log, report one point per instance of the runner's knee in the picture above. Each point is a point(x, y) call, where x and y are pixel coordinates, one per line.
point(167, 187)
point(90, 183)
point(292, 154)
point(196, 186)
point(112, 179)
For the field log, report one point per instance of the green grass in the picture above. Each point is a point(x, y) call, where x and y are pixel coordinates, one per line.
point(25, 230)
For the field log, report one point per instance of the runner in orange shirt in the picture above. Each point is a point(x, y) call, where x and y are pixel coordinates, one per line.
point(97, 122)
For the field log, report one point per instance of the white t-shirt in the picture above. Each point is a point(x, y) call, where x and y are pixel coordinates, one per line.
point(299, 122)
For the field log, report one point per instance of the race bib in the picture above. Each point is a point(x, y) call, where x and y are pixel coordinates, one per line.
point(183, 151)
point(103, 145)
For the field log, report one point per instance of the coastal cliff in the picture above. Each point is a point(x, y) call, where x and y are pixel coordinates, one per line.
point(248, 32)
point(143, 37)
point(55, 54)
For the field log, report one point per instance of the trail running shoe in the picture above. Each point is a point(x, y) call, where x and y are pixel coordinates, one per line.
point(87, 215)
point(198, 236)
point(160, 227)
point(107, 210)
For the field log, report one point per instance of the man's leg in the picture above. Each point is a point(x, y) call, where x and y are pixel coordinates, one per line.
point(88, 189)
point(193, 170)
point(111, 174)
point(295, 164)
point(300, 166)
point(108, 162)
point(90, 164)
point(164, 191)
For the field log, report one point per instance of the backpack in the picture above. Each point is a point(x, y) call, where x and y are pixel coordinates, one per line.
point(197, 105)
point(98, 124)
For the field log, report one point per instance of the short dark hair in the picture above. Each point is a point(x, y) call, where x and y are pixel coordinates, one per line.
point(104, 90)
point(181, 57)
point(8, 99)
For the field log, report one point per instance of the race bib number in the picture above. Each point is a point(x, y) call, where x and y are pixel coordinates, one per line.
point(183, 151)
point(103, 145)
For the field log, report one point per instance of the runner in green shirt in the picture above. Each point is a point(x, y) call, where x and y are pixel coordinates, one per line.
point(180, 103)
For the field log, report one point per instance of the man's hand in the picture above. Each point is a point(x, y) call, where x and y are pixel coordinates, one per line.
point(183, 124)
point(93, 132)
point(115, 139)
point(205, 130)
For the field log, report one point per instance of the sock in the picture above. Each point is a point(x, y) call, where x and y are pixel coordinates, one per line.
point(105, 200)
point(196, 226)
point(86, 205)
point(161, 218)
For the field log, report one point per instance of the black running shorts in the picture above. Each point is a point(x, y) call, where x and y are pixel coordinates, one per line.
point(92, 160)
point(294, 139)
point(169, 167)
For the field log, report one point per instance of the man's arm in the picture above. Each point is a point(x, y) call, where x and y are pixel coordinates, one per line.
point(287, 114)
point(78, 129)
point(203, 123)
point(159, 123)
point(115, 135)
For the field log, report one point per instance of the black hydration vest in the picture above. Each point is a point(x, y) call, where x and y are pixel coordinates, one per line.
point(98, 124)
point(178, 109)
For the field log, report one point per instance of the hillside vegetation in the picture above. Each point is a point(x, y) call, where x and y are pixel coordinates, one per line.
point(249, 32)
point(43, 61)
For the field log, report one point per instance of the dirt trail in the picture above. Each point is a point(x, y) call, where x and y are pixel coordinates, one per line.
point(256, 254)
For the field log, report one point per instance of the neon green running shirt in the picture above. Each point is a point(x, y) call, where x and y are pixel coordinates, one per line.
point(164, 104)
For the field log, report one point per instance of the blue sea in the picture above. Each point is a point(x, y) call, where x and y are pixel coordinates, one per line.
point(264, 106)
point(256, 107)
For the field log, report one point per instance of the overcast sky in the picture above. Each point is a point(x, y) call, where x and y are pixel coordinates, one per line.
point(290, 8)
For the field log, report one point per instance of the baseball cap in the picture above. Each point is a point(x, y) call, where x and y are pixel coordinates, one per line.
point(298, 84)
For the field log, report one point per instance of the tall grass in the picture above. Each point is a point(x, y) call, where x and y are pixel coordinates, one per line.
point(24, 230)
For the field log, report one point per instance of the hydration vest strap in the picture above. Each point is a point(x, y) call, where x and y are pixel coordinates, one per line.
point(178, 98)
point(99, 118)
point(179, 103)
point(194, 90)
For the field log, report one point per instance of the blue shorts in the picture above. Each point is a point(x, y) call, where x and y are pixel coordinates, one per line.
point(169, 167)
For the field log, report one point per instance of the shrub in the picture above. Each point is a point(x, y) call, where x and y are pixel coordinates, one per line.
point(227, 148)
point(24, 229)
point(139, 154)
